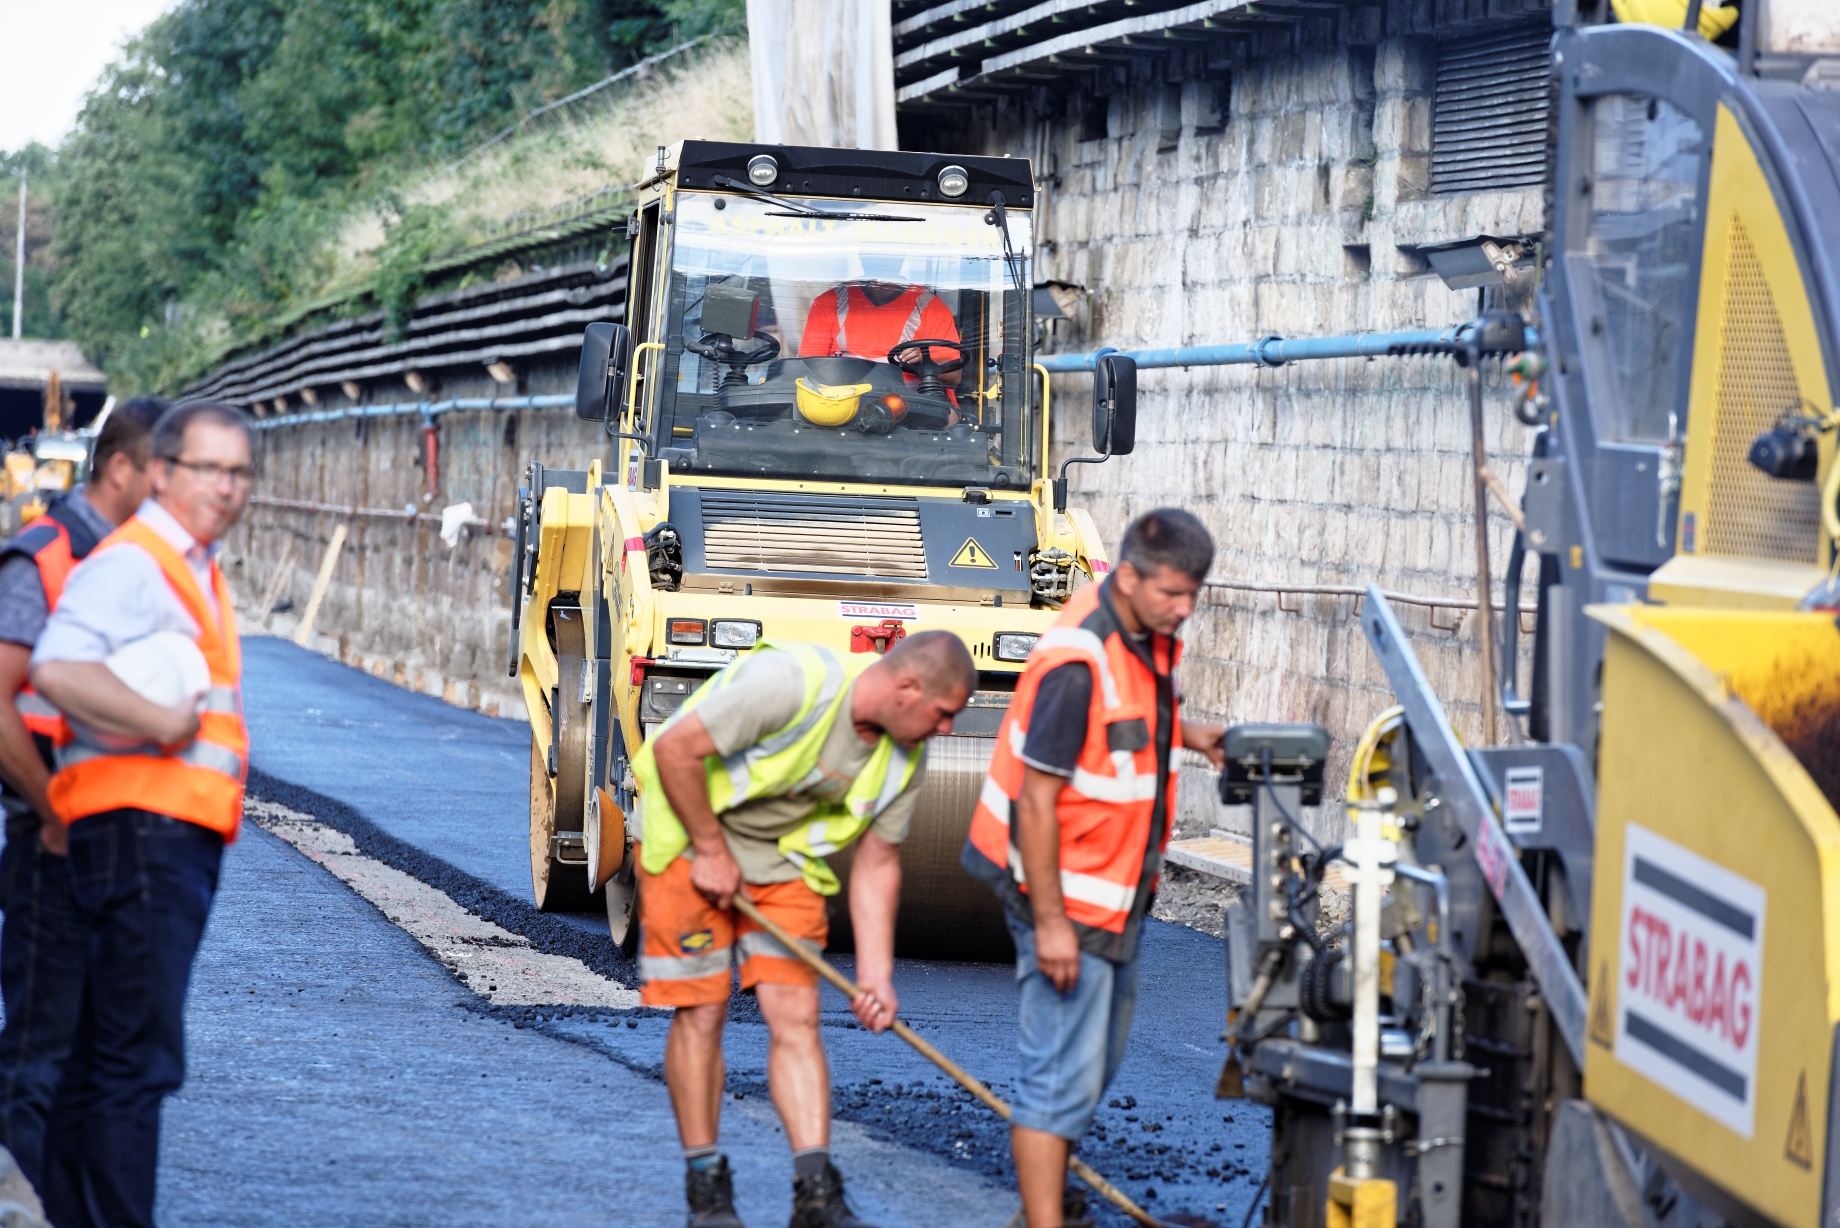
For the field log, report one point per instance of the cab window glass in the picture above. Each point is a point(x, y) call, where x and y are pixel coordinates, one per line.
point(790, 343)
point(1643, 242)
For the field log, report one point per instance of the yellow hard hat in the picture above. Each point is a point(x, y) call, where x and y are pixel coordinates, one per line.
point(829, 404)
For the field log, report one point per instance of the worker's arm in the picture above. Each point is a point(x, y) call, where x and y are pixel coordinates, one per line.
point(89, 693)
point(679, 753)
point(875, 894)
point(937, 322)
point(20, 765)
point(1038, 832)
point(1206, 738)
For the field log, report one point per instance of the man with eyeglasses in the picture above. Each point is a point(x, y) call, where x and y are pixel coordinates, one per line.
point(150, 794)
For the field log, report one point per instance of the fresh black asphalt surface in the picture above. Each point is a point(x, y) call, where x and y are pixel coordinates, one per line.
point(340, 1075)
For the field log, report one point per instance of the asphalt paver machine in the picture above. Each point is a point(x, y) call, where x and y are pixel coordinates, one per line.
point(1593, 976)
point(824, 424)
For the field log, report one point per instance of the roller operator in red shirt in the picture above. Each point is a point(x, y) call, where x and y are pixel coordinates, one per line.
point(870, 317)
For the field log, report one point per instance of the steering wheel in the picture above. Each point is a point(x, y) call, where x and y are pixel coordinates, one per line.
point(928, 371)
point(720, 349)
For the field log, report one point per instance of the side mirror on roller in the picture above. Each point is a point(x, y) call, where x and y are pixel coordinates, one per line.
point(606, 353)
point(1114, 420)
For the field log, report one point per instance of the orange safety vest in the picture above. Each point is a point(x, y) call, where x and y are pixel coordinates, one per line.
point(201, 782)
point(868, 330)
point(47, 542)
point(1122, 789)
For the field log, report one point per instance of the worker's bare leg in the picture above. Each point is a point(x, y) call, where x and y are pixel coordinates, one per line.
point(694, 1071)
point(1041, 1174)
point(797, 1073)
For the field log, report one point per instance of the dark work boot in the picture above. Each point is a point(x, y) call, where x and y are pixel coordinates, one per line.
point(711, 1195)
point(817, 1202)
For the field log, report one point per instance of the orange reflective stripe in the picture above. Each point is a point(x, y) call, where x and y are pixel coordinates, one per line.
point(55, 561)
point(38, 714)
point(1105, 809)
point(201, 782)
point(884, 326)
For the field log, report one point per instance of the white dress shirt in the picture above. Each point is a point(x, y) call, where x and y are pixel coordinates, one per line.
point(120, 595)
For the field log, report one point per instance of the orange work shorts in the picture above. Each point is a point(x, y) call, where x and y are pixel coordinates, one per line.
point(688, 946)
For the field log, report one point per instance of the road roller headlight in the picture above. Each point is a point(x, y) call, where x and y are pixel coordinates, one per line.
point(953, 181)
point(762, 170)
point(734, 633)
point(1015, 645)
point(686, 631)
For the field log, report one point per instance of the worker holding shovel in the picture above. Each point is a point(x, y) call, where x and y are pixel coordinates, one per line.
point(786, 756)
point(1069, 831)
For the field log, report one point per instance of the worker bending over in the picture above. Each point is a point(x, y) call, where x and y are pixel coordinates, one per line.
point(788, 755)
point(1069, 831)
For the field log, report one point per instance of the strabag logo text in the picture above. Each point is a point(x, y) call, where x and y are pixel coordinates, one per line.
point(1690, 977)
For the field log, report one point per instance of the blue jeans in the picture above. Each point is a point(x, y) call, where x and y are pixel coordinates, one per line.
point(44, 947)
point(1071, 1043)
point(146, 881)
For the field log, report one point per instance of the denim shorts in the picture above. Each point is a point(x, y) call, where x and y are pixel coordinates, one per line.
point(1071, 1043)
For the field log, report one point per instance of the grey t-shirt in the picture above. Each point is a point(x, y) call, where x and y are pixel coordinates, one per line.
point(23, 608)
point(763, 698)
point(23, 612)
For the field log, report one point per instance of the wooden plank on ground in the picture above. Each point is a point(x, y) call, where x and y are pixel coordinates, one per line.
point(304, 636)
point(1228, 855)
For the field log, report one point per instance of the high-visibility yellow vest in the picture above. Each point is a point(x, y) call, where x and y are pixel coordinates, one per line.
point(783, 764)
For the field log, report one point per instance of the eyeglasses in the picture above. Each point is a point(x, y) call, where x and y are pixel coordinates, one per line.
point(217, 475)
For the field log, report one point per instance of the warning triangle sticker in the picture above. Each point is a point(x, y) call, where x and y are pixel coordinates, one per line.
point(1601, 1032)
point(1799, 1148)
point(973, 555)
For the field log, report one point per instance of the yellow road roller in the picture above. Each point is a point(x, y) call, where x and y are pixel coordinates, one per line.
point(823, 423)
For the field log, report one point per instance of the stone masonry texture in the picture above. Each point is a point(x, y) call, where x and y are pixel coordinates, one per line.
point(1281, 188)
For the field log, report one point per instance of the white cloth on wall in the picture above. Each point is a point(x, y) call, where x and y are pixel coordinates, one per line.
point(823, 73)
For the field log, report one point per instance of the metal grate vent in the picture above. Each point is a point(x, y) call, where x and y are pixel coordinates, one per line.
point(1748, 513)
point(844, 537)
point(1488, 126)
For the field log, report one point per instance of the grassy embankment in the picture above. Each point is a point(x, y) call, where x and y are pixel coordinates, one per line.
point(580, 157)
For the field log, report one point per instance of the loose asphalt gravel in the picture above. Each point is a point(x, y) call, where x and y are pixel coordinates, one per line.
point(339, 1074)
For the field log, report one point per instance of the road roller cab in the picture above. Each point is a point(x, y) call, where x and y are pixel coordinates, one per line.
point(823, 423)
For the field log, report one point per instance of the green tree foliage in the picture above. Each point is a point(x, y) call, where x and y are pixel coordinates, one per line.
point(214, 159)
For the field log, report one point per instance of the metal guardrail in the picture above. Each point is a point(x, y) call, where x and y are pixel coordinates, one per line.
point(1359, 593)
point(1276, 351)
point(503, 320)
point(968, 51)
point(377, 513)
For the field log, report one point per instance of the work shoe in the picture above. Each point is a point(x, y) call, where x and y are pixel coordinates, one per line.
point(711, 1195)
point(817, 1202)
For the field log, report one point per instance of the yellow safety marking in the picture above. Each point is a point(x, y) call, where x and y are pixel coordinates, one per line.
point(973, 555)
point(1601, 1032)
point(1360, 1204)
point(1577, 557)
point(1799, 1148)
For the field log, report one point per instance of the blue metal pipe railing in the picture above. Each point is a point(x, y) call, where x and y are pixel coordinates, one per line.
point(428, 410)
point(1268, 352)
point(1276, 351)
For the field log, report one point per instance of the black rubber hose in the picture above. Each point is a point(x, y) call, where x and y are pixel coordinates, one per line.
point(1257, 1197)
